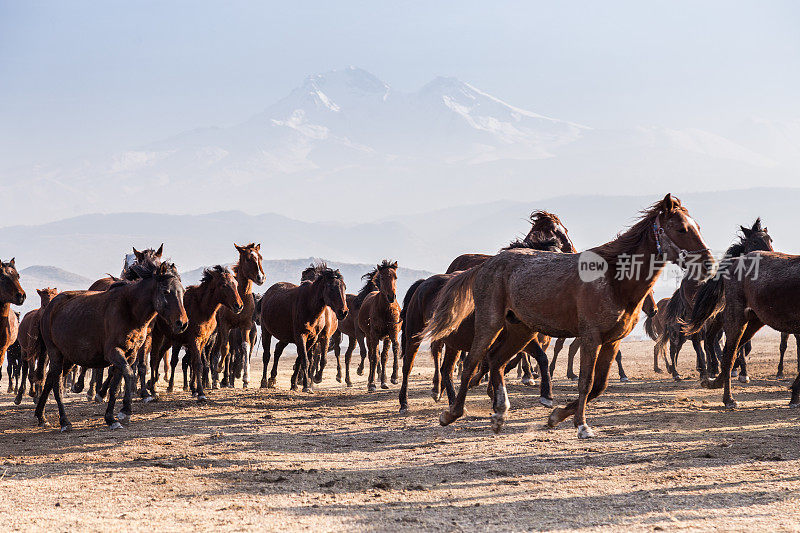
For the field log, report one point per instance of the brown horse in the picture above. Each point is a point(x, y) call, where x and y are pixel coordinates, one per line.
point(648, 307)
point(379, 320)
point(654, 327)
point(319, 351)
point(97, 329)
point(28, 336)
point(248, 270)
point(217, 288)
point(295, 314)
point(148, 255)
point(521, 292)
point(754, 238)
point(10, 293)
point(418, 306)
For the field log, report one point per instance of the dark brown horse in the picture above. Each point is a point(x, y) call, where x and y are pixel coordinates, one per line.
point(10, 293)
point(379, 320)
point(148, 255)
point(754, 238)
point(319, 351)
point(593, 296)
point(217, 288)
point(97, 329)
point(654, 328)
point(248, 270)
point(294, 314)
point(28, 337)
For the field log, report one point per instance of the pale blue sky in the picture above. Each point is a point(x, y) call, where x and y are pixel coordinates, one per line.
point(83, 77)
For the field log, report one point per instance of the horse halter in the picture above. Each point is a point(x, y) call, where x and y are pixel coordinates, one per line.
point(663, 241)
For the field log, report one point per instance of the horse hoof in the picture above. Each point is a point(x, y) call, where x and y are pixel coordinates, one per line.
point(573, 378)
point(43, 423)
point(498, 421)
point(245, 384)
point(348, 383)
point(677, 377)
point(731, 404)
point(705, 383)
point(585, 432)
point(528, 382)
point(394, 380)
point(555, 418)
point(271, 383)
point(75, 389)
point(624, 379)
point(658, 370)
point(794, 405)
point(308, 390)
point(384, 385)
point(779, 375)
point(67, 428)
point(447, 418)
point(403, 410)
point(115, 425)
point(360, 370)
point(148, 399)
point(17, 401)
point(734, 373)
point(122, 417)
point(263, 383)
point(293, 387)
point(338, 379)
point(547, 402)
point(98, 399)
point(744, 378)
point(201, 398)
point(371, 387)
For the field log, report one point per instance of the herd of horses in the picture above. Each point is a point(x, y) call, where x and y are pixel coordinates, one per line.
point(488, 313)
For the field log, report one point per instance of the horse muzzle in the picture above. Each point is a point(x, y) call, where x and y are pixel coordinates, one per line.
point(20, 298)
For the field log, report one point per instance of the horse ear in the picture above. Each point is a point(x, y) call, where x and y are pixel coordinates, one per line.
point(41, 292)
point(258, 247)
point(139, 255)
point(11, 263)
point(160, 250)
point(238, 248)
point(669, 203)
point(747, 231)
point(765, 230)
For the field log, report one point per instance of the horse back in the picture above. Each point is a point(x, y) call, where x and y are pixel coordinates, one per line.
point(278, 307)
point(466, 261)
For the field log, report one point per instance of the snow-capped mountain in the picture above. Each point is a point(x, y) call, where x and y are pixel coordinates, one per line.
point(344, 145)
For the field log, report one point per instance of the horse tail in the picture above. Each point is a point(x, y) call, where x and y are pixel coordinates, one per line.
point(41, 354)
point(650, 328)
point(453, 305)
point(710, 300)
point(407, 298)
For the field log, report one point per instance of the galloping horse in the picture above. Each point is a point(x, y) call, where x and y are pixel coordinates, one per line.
point(28, 335)
point(319, 351)
point(248, 270)
point(294, 314)
point(379, 320)
point(97, 329)
point(519, 293)
point(217, 288)
point(680, 305)
point(418, 306)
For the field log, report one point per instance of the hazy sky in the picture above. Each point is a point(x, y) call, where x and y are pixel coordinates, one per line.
point(78, 78)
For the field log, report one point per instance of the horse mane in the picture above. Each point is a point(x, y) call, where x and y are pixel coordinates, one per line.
point(736, 249)
point(149, 270)
point(371, 284)
point(630, 239)
point(208, 273)
point(549, 245)
point(129, 274)
point(544, 220)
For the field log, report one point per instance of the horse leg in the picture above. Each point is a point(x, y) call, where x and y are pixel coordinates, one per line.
point(21, 388)
point(53, 375)
point(516, 337)
point(487, 327)
point(363, 350)
point(744, 352)
point(335, 344)
point(448, 364)
point(557, 347)
point(303, 347)
point(782, 350)
point(675, 345)
point(736, 333)
point(410, 349)
point(622, 376)
point(194, 352)
point(573, 350)
point(62, 413)
point(384, 357)
point(186, 362)
point(436, 353)
point(266, 342)
point(545, 387)
point(97, 375)
point(274, 374)
point(590, 349)
point(527, 371)
point(372, 353)
point(396, 363)
point(245, 362)
point(322, 346)
point(348, 354)
point(120, 369)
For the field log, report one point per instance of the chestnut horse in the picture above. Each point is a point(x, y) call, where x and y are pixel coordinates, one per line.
point(97, 329)
point(28, 337)
point(319, 351)
point(379, 320)
point(418, 306)
point(521, 292)
point(217, 288)
point(10, 293)
point(248, 270)
point(294, 314)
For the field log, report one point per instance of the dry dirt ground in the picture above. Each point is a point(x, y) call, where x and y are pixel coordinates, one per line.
point(666, 457)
